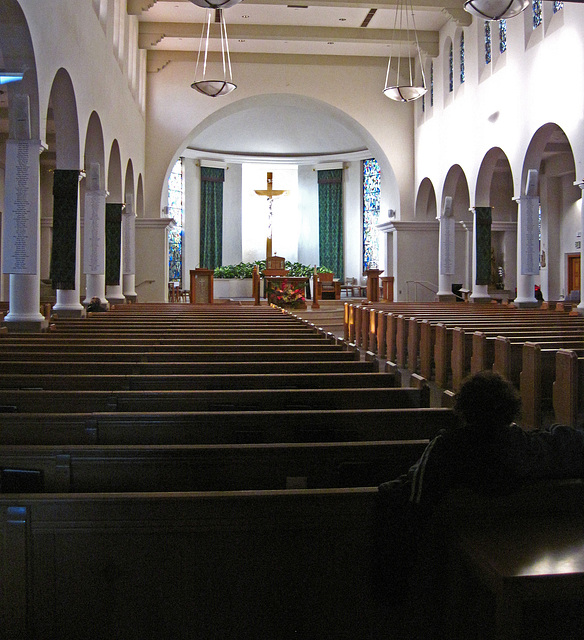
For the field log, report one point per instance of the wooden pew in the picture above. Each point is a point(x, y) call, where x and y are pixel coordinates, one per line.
point(568, 387)
point(228, 467)
point(228, 380)
point(180, 562)
point(114, 367)
point(67, 401)
point(538, 380)
point(224, 427)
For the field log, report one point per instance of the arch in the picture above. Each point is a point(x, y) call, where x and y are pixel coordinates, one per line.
point(328, 134)
point(494, 187)
point(95, 147)
point(63, 113)
point(129, 181)
point(140, 197)
point(550, 153)
point(114, 174)
point(456, 186)
point(426, 201)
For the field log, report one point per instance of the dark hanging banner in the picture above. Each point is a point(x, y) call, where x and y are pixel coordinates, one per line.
point(483, 240)
point(330, 220)
point(113, 242)
point(211, 228)
point(63, 253)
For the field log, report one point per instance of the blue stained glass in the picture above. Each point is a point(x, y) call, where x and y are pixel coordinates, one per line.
point(423, 103)
point(431, 84)
point(487, 42)
point(451, 68)
point(558, 6)
point(371, 206)
point(502, 36)
point(176, 212)
point(537, 13)
point(462, 70)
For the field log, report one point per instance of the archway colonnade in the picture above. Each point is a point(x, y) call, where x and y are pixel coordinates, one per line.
point(535, 217)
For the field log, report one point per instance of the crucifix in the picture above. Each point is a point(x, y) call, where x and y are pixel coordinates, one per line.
point(270, 193)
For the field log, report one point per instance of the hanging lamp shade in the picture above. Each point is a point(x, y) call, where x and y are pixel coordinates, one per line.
point(204, 82)
point(495, 9)
point(401, 83)
point(215, 4)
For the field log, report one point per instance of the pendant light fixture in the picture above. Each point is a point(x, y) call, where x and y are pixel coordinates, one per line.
point(496, 9)
point(203, 83)
point(400, 80)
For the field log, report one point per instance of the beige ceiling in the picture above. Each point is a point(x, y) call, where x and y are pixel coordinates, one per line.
point(285, 30)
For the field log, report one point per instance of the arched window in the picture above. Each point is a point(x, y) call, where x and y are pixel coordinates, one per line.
point(502, 36)
point(432, 83)
point(558, 6)
point(488, 51)
point(371, 207)
point(537, 7)
point(176, 212)
point(451, 68)
point(462, 69)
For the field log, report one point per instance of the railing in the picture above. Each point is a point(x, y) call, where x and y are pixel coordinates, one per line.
point(419, 283)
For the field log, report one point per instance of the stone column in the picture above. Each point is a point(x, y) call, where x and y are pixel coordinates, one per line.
point(481, 254)
point(528, 243)
point(94, 236)
point(580, 307)
point(21, 223)
point(446, 252)
point(129, 250)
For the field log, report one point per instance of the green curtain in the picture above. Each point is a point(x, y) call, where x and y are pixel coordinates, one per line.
point(330, 220)
point(483, 242)
point(113, 240)
point(211, 232)
point(63, 252)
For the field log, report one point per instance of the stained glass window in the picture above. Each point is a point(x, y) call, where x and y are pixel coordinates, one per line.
point(487, 42)
point(176, 212)
point(537, 13)
point(432, 84)
point(462, 71)
point(371, 204)
point(502, 36)
point(558, 6)
point(451, 68)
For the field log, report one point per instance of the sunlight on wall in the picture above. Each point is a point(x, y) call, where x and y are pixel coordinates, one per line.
point(285, 219)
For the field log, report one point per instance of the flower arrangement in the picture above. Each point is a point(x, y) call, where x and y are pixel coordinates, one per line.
point(245, 269)
point(286, 295)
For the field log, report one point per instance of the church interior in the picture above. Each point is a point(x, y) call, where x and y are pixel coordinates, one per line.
point(307, 224)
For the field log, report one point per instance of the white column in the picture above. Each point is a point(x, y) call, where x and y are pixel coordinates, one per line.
point(580, 307)
point(129, 250)
point(21, 224)
point(68, 300)
point(446, 252)
point(528, 242)
point(94, 236)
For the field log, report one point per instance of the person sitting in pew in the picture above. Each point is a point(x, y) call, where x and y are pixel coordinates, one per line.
point(95, 305)
point(488, 452)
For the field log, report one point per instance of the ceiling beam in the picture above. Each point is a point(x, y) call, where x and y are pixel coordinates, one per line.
point(151, 33)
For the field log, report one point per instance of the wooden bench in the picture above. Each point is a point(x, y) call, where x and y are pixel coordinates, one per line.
point(113, 367)
point(181, 562)
point(228, 380)
point(526, 547)
point(568, 387)
point(224, 427)
point(228, 467)
point(66, 401)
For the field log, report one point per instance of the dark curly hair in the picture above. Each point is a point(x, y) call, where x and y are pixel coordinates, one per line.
point(487, 400)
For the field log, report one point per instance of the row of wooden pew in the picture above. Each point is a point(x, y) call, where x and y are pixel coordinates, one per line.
point(540, 350)
point(197, 472)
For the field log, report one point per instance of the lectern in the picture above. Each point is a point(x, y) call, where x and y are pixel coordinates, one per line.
point(202, 286)
point(373, 284)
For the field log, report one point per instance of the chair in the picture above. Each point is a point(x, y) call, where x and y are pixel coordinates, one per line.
point(350, 284)
point(328, 287)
